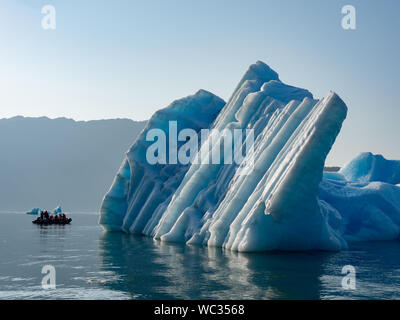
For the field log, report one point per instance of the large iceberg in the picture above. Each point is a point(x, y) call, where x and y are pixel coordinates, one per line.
point(275, 198)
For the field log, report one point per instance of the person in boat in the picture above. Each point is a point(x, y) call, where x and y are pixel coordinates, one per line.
point(46, 218)
point(41, 218)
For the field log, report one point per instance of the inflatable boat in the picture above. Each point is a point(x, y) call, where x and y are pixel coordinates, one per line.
point(50, 222)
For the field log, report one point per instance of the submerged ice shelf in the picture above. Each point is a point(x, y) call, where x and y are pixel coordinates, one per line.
point(282, 203)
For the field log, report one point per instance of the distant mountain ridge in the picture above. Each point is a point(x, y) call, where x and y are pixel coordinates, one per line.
point(45, 162)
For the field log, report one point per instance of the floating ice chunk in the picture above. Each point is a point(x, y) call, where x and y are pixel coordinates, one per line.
point(369, 211)
point(57, 210)
point(333, 176)
point(34, 211)
point(369, 167)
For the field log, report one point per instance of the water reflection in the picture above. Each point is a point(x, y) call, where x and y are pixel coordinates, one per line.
point(93, 265)
point(150, 269)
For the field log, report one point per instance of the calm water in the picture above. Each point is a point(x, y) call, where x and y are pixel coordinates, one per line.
point(91, 264)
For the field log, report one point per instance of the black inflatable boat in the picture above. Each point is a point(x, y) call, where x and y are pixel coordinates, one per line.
point(47, 222)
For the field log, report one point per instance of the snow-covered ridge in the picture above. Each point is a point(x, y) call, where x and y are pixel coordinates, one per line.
point(275, 206)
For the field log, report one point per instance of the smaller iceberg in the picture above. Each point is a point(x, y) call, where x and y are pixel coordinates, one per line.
point(57, 210)
point(363, 198)
point(368, 167)
point(34, 211)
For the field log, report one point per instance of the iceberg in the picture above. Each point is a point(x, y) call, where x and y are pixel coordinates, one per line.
point(277, 196)
point(368, 167)
point(362, 211)
point(57, 210)
point(140, 191)
point(365, 197)
point(34, 211)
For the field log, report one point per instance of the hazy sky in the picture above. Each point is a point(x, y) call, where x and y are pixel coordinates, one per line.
point(109, 59)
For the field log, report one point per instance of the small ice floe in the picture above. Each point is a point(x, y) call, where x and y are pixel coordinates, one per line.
point(34, 211)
